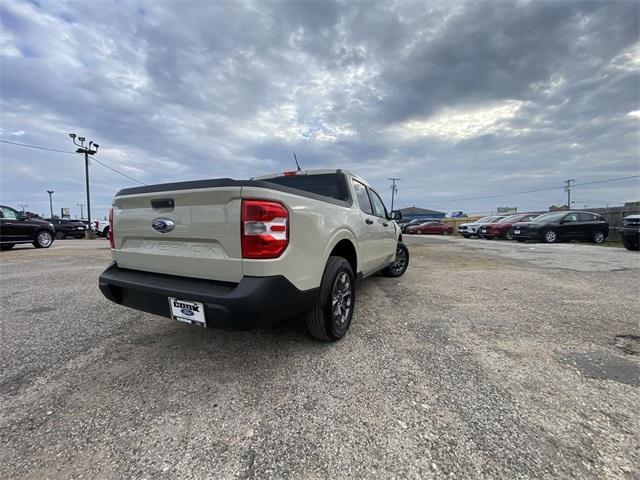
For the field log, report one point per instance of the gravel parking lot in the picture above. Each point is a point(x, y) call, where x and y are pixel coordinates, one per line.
point(487, 359)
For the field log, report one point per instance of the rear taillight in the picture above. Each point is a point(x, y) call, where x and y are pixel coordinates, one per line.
point(112, 238)
point(265, 229)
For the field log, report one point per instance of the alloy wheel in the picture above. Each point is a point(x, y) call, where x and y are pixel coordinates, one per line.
point(400, 263)
point(341, 298)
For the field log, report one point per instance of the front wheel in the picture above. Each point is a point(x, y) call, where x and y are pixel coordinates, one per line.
point(331, 317)
point(400, 264)
point(466, 235)
point(628, 243)
point(44, 239)
point(550, 236)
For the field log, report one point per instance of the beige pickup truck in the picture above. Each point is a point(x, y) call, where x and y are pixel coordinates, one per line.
point(242, 253)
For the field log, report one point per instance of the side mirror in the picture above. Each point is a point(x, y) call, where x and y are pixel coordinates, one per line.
point(395, 215)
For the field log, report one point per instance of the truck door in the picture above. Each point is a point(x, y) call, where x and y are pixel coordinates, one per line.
point(387, 244)
point(371, 233)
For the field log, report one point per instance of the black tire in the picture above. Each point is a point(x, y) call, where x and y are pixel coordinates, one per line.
point(44, 239)
point(7, 246)
point(60, 236)
point(598, 236)
point(322, 321)
point(466, 235)
point(550, 236)
point(521, 240)
point(105, 232)
point(628, 244)
point(400, 265)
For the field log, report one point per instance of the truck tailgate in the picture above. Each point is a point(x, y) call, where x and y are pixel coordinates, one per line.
point(205, 239)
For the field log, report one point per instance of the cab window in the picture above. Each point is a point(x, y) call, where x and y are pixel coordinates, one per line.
point(572, 217)
point(9, 213)
point(378, 206)
point(587, 217)
point(362, 197)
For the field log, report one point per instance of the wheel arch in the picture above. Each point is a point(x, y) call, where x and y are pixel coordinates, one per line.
point(344, 245)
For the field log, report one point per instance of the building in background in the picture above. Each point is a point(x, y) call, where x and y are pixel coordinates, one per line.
point(416, 212)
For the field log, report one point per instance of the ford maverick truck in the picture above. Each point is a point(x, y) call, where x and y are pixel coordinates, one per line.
point(237, 254)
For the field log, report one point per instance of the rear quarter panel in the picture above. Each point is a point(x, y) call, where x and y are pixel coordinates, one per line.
point(315, 227)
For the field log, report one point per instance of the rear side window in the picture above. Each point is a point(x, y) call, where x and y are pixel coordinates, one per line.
point(330, 185)
point(587, 217)
point(362, 197)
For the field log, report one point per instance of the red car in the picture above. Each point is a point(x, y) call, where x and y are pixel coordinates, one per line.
point(501, 229)
point(433, 227)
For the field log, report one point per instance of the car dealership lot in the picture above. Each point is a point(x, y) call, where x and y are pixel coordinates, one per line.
point(487, 358)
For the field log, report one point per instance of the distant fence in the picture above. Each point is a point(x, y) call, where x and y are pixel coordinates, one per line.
point(613, 215)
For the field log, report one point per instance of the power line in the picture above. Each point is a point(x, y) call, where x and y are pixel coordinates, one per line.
point(36, 146)
point(119, 173)
point(534, 191)
point(69, 151)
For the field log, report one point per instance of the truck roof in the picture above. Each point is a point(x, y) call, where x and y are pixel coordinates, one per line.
point(302, 172)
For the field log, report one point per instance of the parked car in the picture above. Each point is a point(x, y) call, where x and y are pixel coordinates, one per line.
point(468, 230)
point(434, 227)
point(410, 223)
point(66, 227)
point(630, 232)
point(101, 227)
point(501, 228)
point(18, 228)
point(554, 227)
point(242, 253)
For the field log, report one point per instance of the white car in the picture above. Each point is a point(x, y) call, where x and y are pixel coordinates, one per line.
point(101, 227)
point(241, 253)
point(468, 230)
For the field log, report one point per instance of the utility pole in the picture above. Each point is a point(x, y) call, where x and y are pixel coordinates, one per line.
point(567, 189)
point(50, 192)
point(81, 205)
point(23, 208)
point(394, 189)
point(91, 149)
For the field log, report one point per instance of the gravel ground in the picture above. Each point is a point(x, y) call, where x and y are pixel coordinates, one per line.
point(487, 359)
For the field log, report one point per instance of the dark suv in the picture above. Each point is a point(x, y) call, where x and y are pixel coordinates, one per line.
point(554, 227)
point(68, 228)
point(18, 228)
point(630, 232)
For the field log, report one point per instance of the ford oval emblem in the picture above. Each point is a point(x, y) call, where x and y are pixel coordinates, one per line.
point(187, 312)
point(163, 225)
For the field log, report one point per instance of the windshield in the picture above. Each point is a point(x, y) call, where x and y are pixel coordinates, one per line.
point(549, 217)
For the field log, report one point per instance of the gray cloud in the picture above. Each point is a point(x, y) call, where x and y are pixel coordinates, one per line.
point(458, 99)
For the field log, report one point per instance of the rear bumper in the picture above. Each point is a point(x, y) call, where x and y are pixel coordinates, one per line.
point(253, 302)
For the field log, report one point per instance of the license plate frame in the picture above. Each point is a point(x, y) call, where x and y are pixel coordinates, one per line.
point(179, 309)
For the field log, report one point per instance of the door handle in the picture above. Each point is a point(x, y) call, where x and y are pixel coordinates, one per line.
point(385, 224)
point(368, 221)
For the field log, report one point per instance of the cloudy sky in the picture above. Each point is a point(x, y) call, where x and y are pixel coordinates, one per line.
point(459, 99)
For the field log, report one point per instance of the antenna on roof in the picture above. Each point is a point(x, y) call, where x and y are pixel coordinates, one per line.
point(296, 159)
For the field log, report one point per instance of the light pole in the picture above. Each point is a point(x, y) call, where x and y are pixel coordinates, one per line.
point(91, 149)
point(50, 192)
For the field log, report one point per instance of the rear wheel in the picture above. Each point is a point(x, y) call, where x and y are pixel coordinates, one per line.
point(331, 317)
point(521, 240)
point(44, 239)
point(399, 266)
point(60, 236)
point(599, 236)
point(466, 235)
point(7, 246)
point(105, 232)
point(550, 236)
